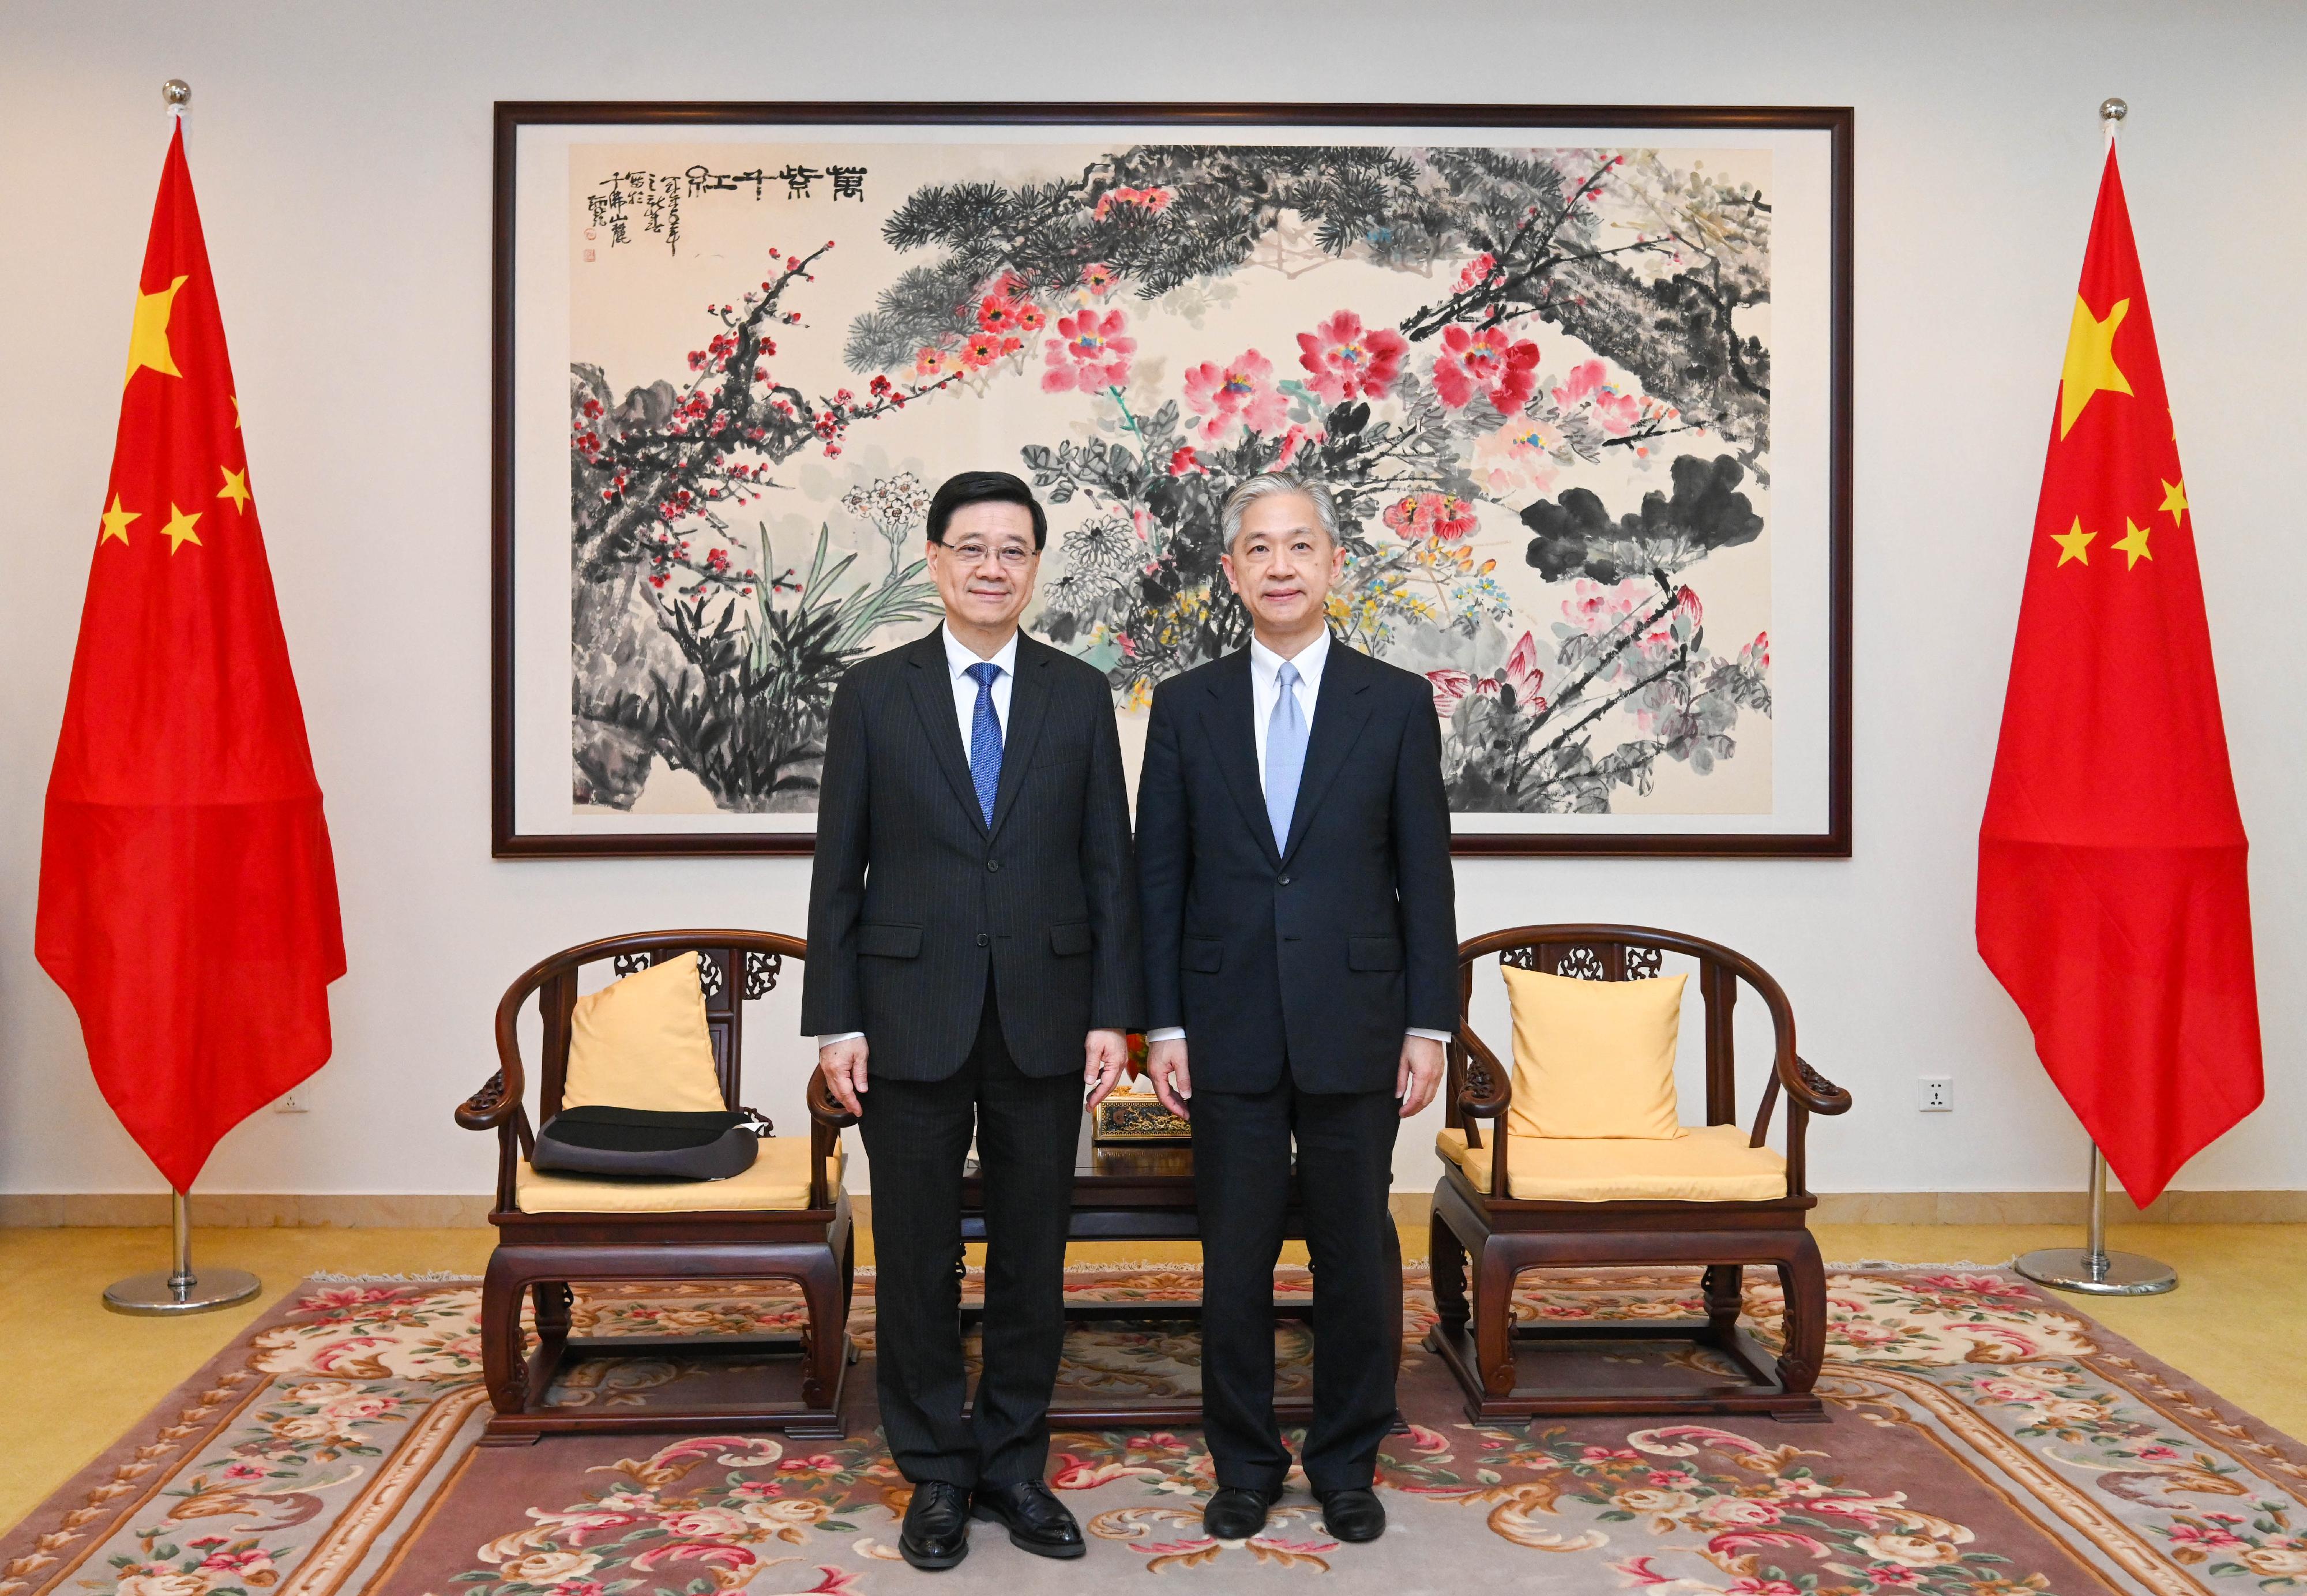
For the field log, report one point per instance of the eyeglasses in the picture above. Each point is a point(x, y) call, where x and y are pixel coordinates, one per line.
point(1011, 555)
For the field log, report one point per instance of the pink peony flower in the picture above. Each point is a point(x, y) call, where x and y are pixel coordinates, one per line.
point(1615, 412)
point(1345, 360)
point(1089, 353)
point(1486, 363)
point(1241, 390)
point(1443, 516)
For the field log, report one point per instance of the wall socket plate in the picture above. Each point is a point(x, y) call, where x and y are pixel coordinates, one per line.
point(291, 1102)
point(1936, 1095)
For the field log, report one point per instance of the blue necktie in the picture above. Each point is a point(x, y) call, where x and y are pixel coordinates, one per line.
point(985, 739)
point(1285, 756)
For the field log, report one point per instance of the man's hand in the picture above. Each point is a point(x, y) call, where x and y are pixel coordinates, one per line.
point(1103, 1054)
point(843, 1065)
point(1165, 1061)
point(1420, 1073)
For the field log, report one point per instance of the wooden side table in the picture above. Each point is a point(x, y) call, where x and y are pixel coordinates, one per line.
point(1128, 1194)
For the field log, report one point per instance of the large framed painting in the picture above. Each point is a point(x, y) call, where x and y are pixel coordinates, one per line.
point(1579, 377)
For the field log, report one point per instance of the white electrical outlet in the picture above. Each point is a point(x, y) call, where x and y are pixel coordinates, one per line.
point(291, 1102)
point(1937, 1095)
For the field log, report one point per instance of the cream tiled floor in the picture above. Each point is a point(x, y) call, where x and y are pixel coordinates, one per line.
point(82, 1376)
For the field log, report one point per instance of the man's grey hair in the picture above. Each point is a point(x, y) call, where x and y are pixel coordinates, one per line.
point(1266, 484)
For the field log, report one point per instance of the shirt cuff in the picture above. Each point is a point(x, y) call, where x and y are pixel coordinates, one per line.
point(826, 1042)
point(1441, 1036)
point(1166, 1034)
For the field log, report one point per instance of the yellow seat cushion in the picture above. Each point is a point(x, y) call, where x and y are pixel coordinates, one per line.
point(642, 1043)
point(1593, 1058)
point(779, 1178)
point(1712, 1163)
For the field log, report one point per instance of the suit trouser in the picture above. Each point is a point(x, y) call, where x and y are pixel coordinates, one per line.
point(1241, 1186)
point(917, 1136)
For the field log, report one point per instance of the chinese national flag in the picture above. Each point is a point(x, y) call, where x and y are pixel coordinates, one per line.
point(2113, 901)
point(188, 901)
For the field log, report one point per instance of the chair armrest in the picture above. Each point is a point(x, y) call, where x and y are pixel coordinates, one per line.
point(1814, 1091)
point(1489, 1085)
point(489, 1107)
point(822, 1108)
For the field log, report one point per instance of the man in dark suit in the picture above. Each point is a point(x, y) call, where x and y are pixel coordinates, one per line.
point(1293, 856)
point(972, 922)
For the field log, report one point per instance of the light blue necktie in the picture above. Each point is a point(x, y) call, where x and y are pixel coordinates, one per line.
point(985, 740)
point(1285, 756)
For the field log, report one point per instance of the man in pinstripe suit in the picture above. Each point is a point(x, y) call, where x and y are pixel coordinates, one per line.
point(972, 932)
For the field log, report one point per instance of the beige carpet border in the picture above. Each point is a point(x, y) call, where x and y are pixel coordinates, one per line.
point(267, 1210)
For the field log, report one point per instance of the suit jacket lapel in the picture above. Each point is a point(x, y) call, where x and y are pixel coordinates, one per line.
point(1029, 701)
point(1232, 729)
point(933, 698)
point(1338, 716)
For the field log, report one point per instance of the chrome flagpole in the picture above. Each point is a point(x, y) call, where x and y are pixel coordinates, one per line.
point(177, 1290)
point(2091, 1269)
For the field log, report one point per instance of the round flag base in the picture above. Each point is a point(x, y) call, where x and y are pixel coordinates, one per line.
point(2098, 1275)
point(166, 1293)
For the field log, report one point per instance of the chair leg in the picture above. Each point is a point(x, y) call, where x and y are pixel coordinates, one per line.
point(505, 1363)
point(1723, 1288)
point(553, 1299)
point(824, 1287)
point(1447, 1266)
point(1493, 1314)
point(1803, 1278)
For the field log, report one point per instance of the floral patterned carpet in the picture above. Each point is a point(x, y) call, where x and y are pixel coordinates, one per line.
point(1982, 1439)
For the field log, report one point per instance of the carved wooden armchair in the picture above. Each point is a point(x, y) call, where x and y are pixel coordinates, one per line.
point(785, 1219)
point(1719, 1199)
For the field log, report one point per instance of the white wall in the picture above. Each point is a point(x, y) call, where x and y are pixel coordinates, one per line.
point(341, 156)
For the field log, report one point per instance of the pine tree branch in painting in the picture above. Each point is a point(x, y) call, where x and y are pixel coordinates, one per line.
point(1157, 216)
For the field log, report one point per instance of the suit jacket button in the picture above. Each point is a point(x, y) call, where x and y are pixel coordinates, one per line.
point(994, 864)
point(1285, 881)
point(983, 940)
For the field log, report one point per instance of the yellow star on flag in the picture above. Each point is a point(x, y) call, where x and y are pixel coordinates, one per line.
point(179, 530)
point(235, 487)
point(116, 523)
point(2075, 544)
point(2134, 542)
point(2174, 499)
point(2089, 365)
point(148, 342)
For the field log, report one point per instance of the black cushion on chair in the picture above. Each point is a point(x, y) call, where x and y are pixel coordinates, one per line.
point(597, 1139)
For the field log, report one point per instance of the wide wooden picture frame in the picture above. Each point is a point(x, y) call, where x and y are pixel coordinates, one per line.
point(1580, 377)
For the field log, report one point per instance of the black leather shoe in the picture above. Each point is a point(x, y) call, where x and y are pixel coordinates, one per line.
point(1235, 1512)
point(937, 1526)
point(1353, 1514)
point(1038, 1522)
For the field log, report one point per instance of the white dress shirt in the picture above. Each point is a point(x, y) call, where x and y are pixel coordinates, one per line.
point(958, 658)
point(1264, 693)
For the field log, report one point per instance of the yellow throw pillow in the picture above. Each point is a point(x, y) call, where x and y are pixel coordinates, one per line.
point(641, 1043)
point(1593, 1058)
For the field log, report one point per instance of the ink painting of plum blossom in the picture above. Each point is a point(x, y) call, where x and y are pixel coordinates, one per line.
point(1578, 379)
